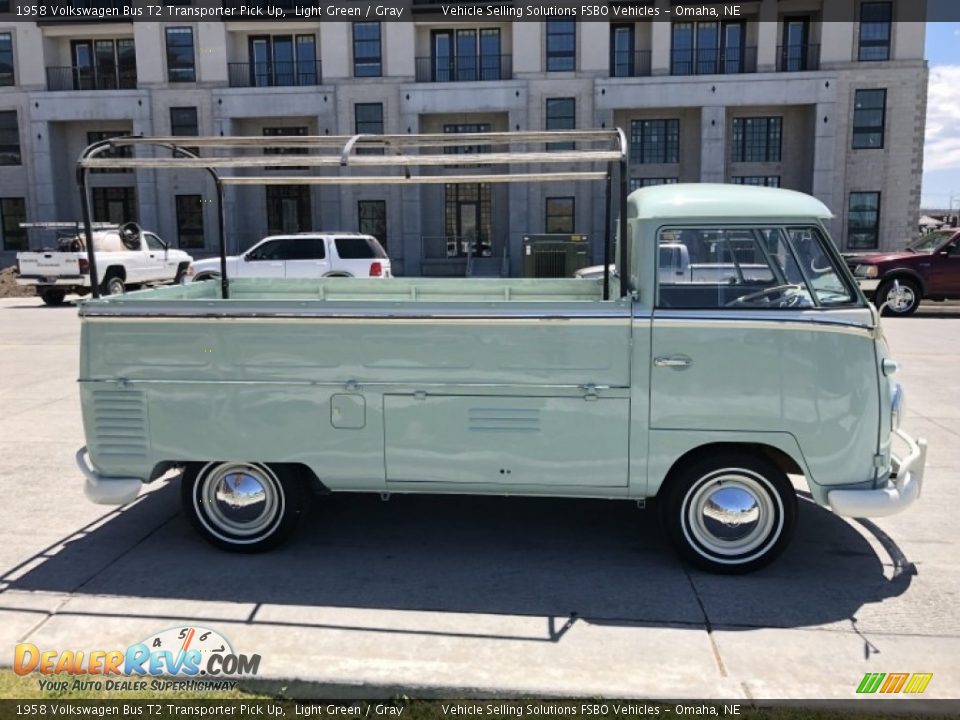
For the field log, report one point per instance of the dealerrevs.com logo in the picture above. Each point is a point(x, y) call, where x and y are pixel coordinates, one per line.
point(195, 657)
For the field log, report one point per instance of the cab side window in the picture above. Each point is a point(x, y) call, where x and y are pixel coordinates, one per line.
point(751, 268)
point(267, 251)
point(153, 242)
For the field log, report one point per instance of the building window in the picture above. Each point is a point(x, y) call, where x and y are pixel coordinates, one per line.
point(561, 45)
point(463, 55)
point(637, 183)
point(869, 119)
point(368, 120)
point(757, 139)
point(655, 141)
point(181, 65)
point(466, 149)
point(190, 221)
point(13, 212)
point(468, 218)
point(875, 22)
point(6, 59)
point(559, 215)
point(9, 138)
point(288, 209)
point(757, 180)
point(116, 205)
point(122, 151)
point(709, 48)
point(183, 122)
point(863, 221)
point(278, 61)
point(373, 219)
point(367, 60)
point(561, 115)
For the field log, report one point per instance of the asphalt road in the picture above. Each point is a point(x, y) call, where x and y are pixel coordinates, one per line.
point(443, 596)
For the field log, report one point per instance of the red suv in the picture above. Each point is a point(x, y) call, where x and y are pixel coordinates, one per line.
point(929, 269)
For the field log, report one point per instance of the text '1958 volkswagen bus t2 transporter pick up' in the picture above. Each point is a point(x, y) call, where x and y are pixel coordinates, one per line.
point(703, 385)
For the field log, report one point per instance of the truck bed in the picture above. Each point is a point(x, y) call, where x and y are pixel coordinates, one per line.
point(278, 297)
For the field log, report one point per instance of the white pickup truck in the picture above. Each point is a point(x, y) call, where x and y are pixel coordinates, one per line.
point(127, 257)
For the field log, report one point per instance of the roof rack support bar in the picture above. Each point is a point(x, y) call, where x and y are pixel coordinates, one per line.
point(87, 214)
point(607, 240)
point(624, 262)
point(348, 150)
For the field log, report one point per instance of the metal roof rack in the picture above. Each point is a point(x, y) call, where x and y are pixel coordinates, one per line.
point(67, 225)
point(402, 152)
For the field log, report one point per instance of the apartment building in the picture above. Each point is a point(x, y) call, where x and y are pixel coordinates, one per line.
point(792, 94)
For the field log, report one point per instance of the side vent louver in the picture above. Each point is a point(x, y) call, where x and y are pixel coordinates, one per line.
point(120, 423)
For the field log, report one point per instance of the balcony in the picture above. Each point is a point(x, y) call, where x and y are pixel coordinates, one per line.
point(275, 74)
point(635, 63)
point(464, 69)
point(714, 61)
point(91, 78)
point(798, 58)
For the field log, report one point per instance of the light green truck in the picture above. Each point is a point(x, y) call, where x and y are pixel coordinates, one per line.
point(703, 394)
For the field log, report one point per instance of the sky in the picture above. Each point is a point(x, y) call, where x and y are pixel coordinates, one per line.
point(941, 166)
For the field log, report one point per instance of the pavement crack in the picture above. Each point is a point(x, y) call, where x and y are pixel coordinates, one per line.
point(707, 625)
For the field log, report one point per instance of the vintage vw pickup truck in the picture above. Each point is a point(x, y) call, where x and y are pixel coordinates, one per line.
point(706, 393)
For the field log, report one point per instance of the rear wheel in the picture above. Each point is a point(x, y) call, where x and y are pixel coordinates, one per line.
point(112, 285)
point(53, 296)
point(902, 303)
point(240, 506)
point(729, 512)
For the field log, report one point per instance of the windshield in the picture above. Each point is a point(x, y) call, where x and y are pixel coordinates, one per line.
point(929, 243)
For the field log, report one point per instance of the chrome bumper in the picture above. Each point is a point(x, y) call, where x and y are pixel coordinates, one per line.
point(106, 490)
point(868, 286)
point(76, 281)
point(899, 493)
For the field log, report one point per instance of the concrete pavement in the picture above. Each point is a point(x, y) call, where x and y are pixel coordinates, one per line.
point(444, 596)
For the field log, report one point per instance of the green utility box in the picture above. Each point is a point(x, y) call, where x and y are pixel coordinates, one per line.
point(554, 255)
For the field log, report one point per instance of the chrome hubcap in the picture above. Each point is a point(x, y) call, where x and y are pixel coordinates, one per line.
point(241, 500)
point(900, 300)
point(732, 515)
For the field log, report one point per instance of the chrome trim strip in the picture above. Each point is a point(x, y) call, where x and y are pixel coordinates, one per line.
point(405, 387)
point(620, 315)
point(771, 324)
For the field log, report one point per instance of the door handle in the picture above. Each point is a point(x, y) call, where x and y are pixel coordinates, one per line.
point(673, 361)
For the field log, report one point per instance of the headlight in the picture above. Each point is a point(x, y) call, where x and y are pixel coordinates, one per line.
point(866, 271)
point(896, 406)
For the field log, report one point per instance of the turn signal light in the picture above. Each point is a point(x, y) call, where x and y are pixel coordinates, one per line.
point(376, 269)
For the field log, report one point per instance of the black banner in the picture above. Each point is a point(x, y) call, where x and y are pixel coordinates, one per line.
point(409, 10)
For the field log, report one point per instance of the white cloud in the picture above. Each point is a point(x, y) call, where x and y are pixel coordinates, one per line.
point(942, 150)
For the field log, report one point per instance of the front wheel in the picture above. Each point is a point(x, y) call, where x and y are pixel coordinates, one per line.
point(730, 512)
point(241, 506)
point(903, 303)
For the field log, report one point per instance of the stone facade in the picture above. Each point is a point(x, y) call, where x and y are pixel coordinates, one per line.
point(815, 104)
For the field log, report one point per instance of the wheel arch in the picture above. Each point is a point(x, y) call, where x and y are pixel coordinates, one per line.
point(785, 460)
point(115, 270)
point(902, 273)
point(300, 470)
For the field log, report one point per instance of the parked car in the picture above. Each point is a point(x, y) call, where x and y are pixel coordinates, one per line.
point(127, 256)
point(674, 265)
point(305, 255)
point(929, 269)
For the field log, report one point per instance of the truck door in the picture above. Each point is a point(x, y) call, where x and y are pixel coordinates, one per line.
point(945, 270)
point(156, 264)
